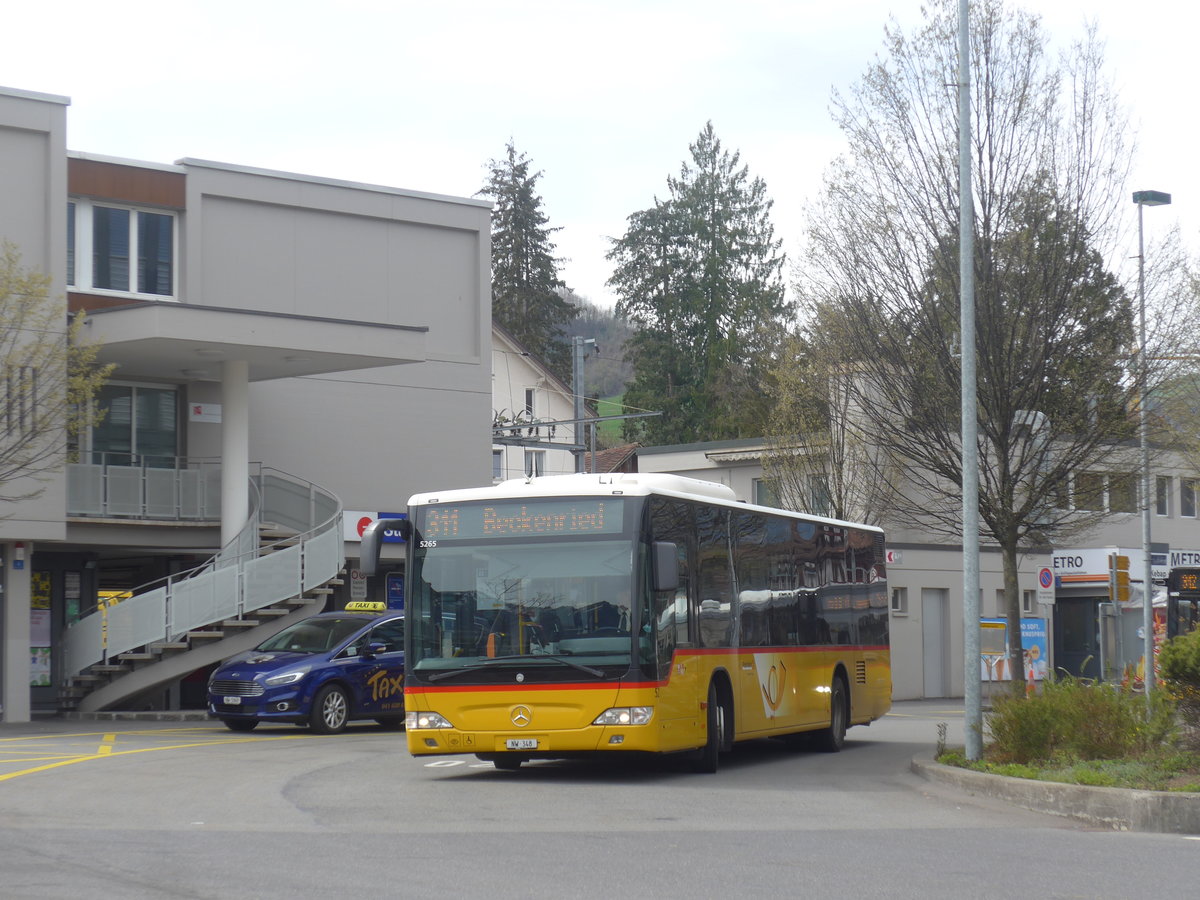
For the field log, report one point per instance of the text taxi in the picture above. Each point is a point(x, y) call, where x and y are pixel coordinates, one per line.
point(323, 672)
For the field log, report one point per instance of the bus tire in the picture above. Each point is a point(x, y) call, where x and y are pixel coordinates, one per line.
point(833, 738)
point(708, 758)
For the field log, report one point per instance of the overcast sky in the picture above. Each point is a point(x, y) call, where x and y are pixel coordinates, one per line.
point(604, 97)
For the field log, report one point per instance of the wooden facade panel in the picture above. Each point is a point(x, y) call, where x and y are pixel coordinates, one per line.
point(77, 301)
point(125, 184)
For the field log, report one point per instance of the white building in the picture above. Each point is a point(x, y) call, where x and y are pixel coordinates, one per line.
point(530, 406)
point(285, 344)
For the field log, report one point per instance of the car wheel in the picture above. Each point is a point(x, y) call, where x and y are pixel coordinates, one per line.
point(330, 710)
point(240, 724)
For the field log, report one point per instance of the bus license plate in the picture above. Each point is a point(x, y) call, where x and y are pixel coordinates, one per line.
point(521, 744)
point(233, 701)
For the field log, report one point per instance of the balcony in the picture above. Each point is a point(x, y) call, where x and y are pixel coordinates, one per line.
point(129, 486)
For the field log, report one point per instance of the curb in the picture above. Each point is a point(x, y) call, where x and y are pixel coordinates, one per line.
point(1163, 812)
point(149, 715)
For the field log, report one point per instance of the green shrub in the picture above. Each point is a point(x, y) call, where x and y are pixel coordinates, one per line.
point(1179, 669)
point(1179, 660)
point(1078, 720)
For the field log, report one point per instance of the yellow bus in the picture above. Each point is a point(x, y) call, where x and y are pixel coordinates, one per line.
point(572, 615)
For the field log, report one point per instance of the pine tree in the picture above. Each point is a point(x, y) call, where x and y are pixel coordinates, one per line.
point(527, 293)
point(699, 274)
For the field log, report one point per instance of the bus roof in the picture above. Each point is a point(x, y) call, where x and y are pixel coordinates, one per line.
point(605, 485)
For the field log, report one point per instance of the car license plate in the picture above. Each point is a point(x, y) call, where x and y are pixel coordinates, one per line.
point(521, 744)
point(232, 701)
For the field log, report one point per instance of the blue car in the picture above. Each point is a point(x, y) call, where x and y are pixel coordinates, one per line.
point(322, 672)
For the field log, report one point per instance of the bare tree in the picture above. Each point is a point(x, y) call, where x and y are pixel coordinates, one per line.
point(821, 460)
point(1055, 326)
point(49, 379)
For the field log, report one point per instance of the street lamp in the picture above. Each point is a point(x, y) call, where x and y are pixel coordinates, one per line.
point(1145, 198)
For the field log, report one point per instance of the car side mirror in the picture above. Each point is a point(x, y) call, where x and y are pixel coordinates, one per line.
point(375, 648)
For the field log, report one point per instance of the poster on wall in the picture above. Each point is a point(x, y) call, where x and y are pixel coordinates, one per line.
point(39, 667)
point(39, 629)
point(995, 664)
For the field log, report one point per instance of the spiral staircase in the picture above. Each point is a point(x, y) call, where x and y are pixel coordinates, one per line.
point(280, 568)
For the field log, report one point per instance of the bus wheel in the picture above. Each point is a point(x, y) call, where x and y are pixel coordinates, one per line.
point(709, 757)
point(833, 738)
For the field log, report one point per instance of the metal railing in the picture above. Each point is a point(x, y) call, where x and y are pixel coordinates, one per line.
point(241, 578)
point(124, 485)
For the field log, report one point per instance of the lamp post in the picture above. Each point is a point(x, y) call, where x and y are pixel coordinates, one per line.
point(1142, 199)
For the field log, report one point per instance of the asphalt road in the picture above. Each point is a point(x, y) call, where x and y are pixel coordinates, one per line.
point(187, 809)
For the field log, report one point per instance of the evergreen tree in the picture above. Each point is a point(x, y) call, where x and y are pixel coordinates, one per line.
point(699, 274)
point(527, 293)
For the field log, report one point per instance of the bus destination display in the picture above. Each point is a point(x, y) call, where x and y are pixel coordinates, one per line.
point(472, 521)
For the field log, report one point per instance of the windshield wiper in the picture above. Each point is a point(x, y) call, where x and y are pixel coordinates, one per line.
point(451, 673)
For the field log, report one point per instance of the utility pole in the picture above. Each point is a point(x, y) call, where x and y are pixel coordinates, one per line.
point(579, 347)
point(972, 687)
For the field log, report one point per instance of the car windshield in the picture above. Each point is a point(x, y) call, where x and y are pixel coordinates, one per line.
point(314, 635)
point(479, 605)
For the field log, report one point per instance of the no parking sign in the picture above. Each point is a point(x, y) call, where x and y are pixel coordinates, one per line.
point(1045, 587)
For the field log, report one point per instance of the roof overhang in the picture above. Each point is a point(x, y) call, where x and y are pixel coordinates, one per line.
point(182, 342)
point(735, 455)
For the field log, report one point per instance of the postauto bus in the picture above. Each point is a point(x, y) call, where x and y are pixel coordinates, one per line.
point(568, 615)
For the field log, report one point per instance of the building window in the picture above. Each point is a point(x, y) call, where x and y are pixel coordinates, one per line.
point(535, 463)
point(1089, 491)
point(820, 501)
point(531, 403)
point(140, 426)
point(1187, 497)
point(124, 250)
point(497, 465)
point(1028, 602)
point(900, 601)
point(765, 493)
point(20, 400)
point(1162, 495)
point(1122, 493)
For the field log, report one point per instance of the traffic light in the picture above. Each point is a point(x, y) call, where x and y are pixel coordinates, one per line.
point(1118, 578)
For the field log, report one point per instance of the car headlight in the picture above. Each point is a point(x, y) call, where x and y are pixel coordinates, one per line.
point(625, 715)
point(287, 677)
point(425, 720)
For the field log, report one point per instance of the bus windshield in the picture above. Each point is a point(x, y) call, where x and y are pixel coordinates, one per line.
point(544, 603)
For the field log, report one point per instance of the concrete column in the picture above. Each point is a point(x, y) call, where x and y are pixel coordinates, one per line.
point(235, 447)
point(14, 677)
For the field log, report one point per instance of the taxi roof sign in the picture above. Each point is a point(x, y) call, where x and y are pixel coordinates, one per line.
point(373, 606)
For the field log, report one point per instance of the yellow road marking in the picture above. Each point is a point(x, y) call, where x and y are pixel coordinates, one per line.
point(106, 745)
point(106, 751)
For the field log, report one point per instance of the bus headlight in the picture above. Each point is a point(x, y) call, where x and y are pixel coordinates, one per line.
point(625, 715)
point(414, 720)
